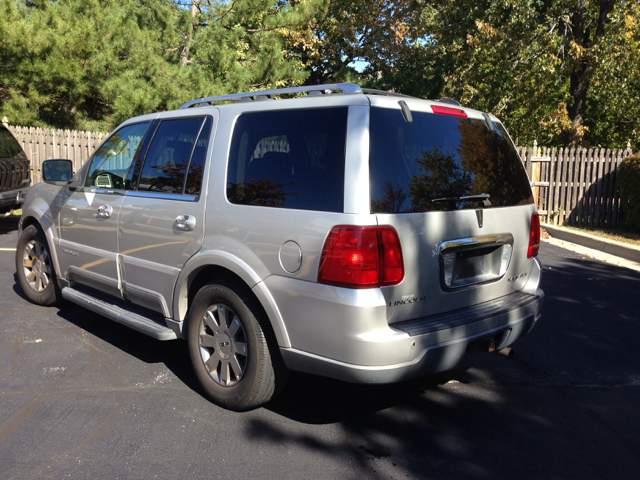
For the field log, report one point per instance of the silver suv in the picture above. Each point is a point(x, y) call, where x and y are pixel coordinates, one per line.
point(358, 234)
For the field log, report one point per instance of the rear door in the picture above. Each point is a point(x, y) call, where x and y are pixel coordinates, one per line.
point(454, 188)
point(161, 221)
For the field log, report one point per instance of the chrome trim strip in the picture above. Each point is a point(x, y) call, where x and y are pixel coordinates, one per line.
point(162, 196)
point(470, 242)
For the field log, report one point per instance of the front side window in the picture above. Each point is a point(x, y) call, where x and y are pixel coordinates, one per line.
point(440, 163)
point(175, 159)
point(110, 163)
point(289, 159)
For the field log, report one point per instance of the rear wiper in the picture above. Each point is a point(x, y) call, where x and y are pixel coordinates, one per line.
point(481, 196)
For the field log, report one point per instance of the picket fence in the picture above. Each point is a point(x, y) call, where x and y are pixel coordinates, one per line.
point(574, 186)
point(41, 144)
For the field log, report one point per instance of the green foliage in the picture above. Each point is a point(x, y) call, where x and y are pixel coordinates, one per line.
point(629, 182)
point(89, 64)
point(556, 71)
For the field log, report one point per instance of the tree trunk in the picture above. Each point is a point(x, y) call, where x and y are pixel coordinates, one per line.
point(184, 54)
point(580, 81)
point(580, 77)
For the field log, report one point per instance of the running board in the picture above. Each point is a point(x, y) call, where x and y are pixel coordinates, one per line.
point(114, 312)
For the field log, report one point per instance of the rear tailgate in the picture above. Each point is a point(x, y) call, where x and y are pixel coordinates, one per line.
point(452, 263)
point(453, 186)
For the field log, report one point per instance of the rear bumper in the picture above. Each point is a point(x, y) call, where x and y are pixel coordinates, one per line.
point(434, 344)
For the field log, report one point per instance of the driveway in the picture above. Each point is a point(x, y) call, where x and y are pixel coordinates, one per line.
point(83, 397)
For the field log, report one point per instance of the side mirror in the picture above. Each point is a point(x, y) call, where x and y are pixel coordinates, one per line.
point(57, 171)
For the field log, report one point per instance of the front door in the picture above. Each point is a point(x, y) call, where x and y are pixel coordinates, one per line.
point(89, 210)
point(162, 217)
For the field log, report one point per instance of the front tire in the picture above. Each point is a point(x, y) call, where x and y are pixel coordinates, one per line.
point(34, 267)
point(228, 347)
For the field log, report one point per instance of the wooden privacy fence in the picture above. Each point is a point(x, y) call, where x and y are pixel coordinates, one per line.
point(576, 186)
point(41, 144)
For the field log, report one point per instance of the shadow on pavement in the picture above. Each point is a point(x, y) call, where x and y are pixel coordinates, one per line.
point(563, 408)
point(9, 224)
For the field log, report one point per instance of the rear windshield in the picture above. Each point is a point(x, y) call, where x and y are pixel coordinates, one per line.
point(442, 162)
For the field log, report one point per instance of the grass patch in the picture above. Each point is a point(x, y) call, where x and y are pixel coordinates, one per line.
point(617, 234)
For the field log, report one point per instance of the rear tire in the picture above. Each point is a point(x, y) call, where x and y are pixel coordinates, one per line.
point(228, 347)
point(34, 267)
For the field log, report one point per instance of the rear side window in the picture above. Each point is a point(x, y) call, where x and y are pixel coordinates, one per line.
point(436, 161)
point(175, 159)
point(289, 159)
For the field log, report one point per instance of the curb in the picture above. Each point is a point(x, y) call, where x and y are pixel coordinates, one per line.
point(612, 247)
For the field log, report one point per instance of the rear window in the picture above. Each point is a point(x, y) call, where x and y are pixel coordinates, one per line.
point(436, 161)
point(289, 159)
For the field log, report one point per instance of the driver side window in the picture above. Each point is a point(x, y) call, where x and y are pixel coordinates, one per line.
point(111, 162)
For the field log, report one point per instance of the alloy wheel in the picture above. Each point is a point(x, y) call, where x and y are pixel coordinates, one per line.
point(223, 345)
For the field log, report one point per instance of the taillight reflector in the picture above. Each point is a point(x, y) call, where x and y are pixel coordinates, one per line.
point(361, 257)
point(534, 236)
point(458, 112)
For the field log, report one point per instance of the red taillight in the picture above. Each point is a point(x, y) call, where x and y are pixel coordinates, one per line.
point(534, 236)
point(458, 112)
point(361, 257)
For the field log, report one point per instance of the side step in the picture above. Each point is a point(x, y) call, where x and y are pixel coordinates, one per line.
point(140, 323)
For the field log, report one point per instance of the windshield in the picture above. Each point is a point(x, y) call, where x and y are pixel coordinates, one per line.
point(442, 162)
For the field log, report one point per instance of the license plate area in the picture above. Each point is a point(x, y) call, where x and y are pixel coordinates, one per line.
point(474, 260)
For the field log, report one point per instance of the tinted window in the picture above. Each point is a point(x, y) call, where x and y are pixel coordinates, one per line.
point(289, 159)
point(11, 143)
point(167, 160)
point(111, 162)
point(4, 153)
point(430, 163)
point(196, 165)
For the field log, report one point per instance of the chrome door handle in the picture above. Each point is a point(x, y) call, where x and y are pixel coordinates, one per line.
point(186, 223)
point(105, 211)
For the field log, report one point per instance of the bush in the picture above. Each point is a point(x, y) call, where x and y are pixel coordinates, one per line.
point(629, 182)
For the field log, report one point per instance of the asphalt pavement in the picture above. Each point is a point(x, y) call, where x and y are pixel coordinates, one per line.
point(83, 397)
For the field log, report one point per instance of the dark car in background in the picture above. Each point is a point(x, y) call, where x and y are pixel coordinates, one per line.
point(14, 172)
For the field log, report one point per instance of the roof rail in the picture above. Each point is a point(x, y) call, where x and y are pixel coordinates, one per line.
point(450, 101)
point(384, 92)
point(266, 94)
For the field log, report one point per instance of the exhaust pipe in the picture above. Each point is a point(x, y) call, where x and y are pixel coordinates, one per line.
point(507, 352)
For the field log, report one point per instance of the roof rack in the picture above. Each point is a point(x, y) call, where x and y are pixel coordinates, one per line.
point(384, 92)
point(346, 88)
point(450, 101)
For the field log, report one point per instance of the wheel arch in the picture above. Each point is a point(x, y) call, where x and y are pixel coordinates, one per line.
point(40, 220)
point(210, 265)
